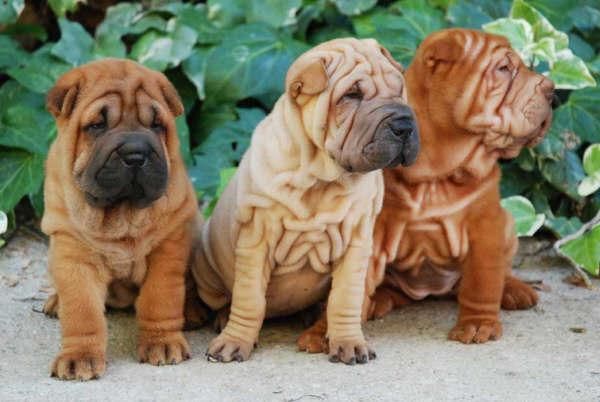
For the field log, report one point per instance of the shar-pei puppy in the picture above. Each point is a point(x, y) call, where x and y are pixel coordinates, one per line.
point(442, 229)
point(297, 218)
point(120, 212)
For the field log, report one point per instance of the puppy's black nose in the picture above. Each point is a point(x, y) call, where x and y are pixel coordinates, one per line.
point(402, 126)
point(134, 153)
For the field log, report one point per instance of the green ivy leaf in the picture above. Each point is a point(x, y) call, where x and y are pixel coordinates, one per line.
point(475, 13)
point(10, 11)
point(21, 173)
point(581, 114)
point(39, 71)
point(223, 148)
point(225, 176)
point(527, 222)
point(518, 32)
point(591, 165)
point(160, 51)
point(183, 132)
point(556, 12)
point(354, 7)
point(585, 17)
point(194, 68)
point(542, 28)
point(207, 118)
point(61, 7)
point(401, 28)
point(276, 13)
point(3, 222)
point(570, 72)
point(562, 226)
point(10, 52)
point(585, 251)
point(196, 17)
point(226, 13)
point(24, 122)
point(565, 175)
point(591, 159)
point(119, 21)
point(581, 48)
point(75, 45)
point(231, 67)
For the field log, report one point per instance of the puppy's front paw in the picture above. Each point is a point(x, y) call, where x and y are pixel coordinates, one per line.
point(225, 348)
point(350, 351)
point(518, 295)
point(80, 366)
point(476, 331)
point(163, 349)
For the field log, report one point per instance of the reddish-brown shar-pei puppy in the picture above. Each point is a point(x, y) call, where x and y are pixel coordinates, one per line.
point(442, 228)
point(120, 213)
point(297, 218)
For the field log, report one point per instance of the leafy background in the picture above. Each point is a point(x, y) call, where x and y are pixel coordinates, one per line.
point(228, 59)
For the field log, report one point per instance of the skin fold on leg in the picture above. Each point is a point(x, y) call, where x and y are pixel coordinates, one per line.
point(344, 307)
point(160, 305)
point(248, 305)
point(483, 271)
point(81, 293)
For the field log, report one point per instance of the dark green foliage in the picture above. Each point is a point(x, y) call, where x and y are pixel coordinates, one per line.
point(228, 59)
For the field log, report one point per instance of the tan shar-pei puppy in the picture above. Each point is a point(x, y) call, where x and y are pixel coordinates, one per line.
point(297, 218)
point(442, 229)
point(120, 213)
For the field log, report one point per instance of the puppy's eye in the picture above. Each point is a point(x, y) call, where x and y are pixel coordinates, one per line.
point(354, 93)
point(157, 126)
point(98, 126)
point(505, 69)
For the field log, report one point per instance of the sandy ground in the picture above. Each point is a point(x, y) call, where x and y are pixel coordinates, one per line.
point(550, 353)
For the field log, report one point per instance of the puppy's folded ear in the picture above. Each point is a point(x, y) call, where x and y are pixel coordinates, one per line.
point(307, 77)
point(62, 98)
point(444, 49)
point(171, 97)
point(386, 53)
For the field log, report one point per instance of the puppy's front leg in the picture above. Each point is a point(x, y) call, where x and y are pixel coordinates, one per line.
point(482, 280)
point(81, 292)
point(344, 306)
point(160, 305)
point(248, 303)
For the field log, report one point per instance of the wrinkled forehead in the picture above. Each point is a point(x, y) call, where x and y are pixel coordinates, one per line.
point(121, 101)
point(361, 62)
point(481, 50)
point(131, 92)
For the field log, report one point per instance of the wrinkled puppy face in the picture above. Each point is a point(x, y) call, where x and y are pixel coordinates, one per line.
point(353, 103)
point(121, 117)
point(486, 87)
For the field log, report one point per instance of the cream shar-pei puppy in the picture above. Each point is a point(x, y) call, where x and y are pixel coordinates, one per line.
point(297, 218)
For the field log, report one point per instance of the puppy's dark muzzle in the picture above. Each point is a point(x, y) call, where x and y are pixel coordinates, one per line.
point(128, 167)
point(396, 141)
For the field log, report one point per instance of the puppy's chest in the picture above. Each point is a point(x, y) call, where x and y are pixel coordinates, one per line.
point(427, 222)
point(308, 244)
point(319, 241)
point(126, 259)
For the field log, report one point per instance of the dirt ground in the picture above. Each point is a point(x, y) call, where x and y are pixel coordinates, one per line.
point(549, 353)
